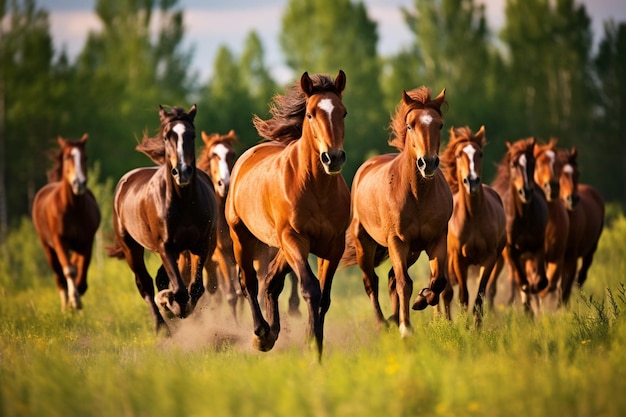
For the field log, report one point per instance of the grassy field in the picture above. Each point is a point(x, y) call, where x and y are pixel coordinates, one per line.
point(106, 361)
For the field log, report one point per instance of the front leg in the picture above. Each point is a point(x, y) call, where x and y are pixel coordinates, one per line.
point(176, 304)
point(70, 273)
point(437, 258)
point(326, 271)
point(398, 254)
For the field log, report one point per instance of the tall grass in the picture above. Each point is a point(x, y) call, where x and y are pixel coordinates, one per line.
point(106, 361)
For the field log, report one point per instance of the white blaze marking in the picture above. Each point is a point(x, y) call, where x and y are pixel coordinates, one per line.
point(522, 162)
point(326, 104)
point(179, 128)
point(426, 119)
point(568, 169)
point(551, 156)
point(222, 151)
point(470, 151)
point(80, 175)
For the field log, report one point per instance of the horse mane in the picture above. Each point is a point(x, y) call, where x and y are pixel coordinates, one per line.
point(209, 141)
point(288, 111)
point(448, 158)
point(398, 120)
point(503, 173)
point(154, 147)
point(55, 173)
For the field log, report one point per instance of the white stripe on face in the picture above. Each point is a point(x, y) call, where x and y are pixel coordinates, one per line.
point(426, 119)
point(470, 151)
point(179, 128)
point(80, 174)
point(551, 157)
point(522, 162)
point(222, 151)
point(568, 169)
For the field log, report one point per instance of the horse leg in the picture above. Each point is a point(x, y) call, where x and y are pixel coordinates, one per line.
point(227, 276)
point(196, 285)
point(69, 272)
point(61, 283)
point(294, 298)
point(459, 267)
point(586, 264)
point(365, 253)
point(177, 296)
point(244, 243)
point(492, 285)
point(485, 273)
point(275, 282)
point(570, 265)
point(393, 296)
point(437, 256)
point(398, 254)
point(81, 263)
point(326, 271)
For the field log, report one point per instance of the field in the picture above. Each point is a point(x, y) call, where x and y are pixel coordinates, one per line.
point(106, 361)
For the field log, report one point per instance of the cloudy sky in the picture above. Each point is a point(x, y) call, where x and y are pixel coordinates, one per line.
point(212, 23)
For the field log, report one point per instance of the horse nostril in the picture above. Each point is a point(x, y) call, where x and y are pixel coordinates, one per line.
point(421, 163)
point(342, 156)
point(220, 183)
point(325, 158)
point(465, 180)
point(477, 180)
point(436, 161)
point(174, 171)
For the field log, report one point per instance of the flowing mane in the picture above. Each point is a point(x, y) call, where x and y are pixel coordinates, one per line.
point(288, 111)
point(154, 147)
point(501, 181)
point(205, 155)
point(448, 159)
point(422, 95)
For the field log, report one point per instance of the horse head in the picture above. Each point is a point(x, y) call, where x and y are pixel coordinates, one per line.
point(74, 163)
point(521, 165)
point(422, 128)
point(218, 158)
point(468, 155)
point(547, 169)
point(324, 121)
point(178, 133)
point(568, 180)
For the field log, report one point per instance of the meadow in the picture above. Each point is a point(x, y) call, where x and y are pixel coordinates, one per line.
point(107, 361)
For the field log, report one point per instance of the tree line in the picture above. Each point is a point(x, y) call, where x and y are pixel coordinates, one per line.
point(540, 75)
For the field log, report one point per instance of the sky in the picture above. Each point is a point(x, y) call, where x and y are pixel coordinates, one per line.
point(212, 23)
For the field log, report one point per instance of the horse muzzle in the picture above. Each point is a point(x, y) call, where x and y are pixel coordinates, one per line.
point(525, 194)
point(551, 190)
point(182, 175)
point(571, 200)
point(79, 187)
point(333, 161)
point(471, 184)
point(427, 165)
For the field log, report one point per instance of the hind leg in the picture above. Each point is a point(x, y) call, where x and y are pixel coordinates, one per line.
point(584, 268)
point(365, 253)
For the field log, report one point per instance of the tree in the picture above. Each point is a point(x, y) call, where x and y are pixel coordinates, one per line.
point(324, 36)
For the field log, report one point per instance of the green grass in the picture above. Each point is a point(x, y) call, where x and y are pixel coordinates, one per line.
point(106, 361)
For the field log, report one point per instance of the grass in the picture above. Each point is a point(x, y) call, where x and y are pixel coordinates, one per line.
point(106, 361)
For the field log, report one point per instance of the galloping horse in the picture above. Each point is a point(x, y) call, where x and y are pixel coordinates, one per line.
point(477, 228)
point(401, 205)
point(169, 209)
point(526, 218)
point(287, 196)
point(66, 217)
point(585, 207)
point(217, 159)
point(547, 173)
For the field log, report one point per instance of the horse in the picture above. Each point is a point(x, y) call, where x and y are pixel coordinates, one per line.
point(217, 158)
point(287, 198)
point(526, 213)
point(66, 217)
point(547, 173)
point(585, 207)
point(170, 209)
point(477, 228)
point(401, 205)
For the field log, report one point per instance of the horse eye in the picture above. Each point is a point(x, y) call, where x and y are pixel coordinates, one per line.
point(309, 116)
point(458, 156)
point(408, 127)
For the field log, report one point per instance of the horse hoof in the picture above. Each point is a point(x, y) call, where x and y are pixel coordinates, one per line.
point(262, 344)
point(405, 331)
point(420, 302)
point(425, 298)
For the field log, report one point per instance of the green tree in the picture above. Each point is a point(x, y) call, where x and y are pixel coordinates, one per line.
point(606, 153)
point(323, 36)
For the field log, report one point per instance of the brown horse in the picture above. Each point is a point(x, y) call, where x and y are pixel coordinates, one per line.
point(547, 172)
point(401, 205)
point(287, 195)
point(585, 207)
point(217, 159)
point(169, 209)
point(477, 228)
point(526, 218)
point(66, 217)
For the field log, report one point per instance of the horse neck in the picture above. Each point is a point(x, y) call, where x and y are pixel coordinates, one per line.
point(410, 179)
point(470, 203)
point(68, 198)
point(310, 172)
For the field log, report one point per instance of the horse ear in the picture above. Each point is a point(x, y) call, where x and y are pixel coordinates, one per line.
point(84, 138)
point(306, 85)
point(553, 141)
point(480, 135)
point(438, 101)
point(340, 81)
point(573, 153)
point(205, 137)
point(162, 114)
point(406, 98)
point(192, 112)
point(508, 144)
point(61, 141)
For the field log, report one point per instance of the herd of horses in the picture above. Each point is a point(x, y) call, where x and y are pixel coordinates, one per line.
point(240, 226)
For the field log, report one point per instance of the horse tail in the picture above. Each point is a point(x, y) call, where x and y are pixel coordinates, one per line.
point(349, 253)
point(115, 251)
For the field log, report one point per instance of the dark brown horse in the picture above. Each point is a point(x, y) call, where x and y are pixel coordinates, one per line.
point(547, 172)
point(287, 195)
point(477, 228)
point(585, 207)
point(401, 205)
point(217, 159)
point(526, 218)
point(169, 209)
point(66, 217)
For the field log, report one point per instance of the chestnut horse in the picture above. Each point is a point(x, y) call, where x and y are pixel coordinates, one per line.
point(526, 219)
point(401, 205)
point(66, 217)
point(287, 197)
point(547, 172)
point(169, 209)
point(477, 228)
point(217, 159)
point(585, 207)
